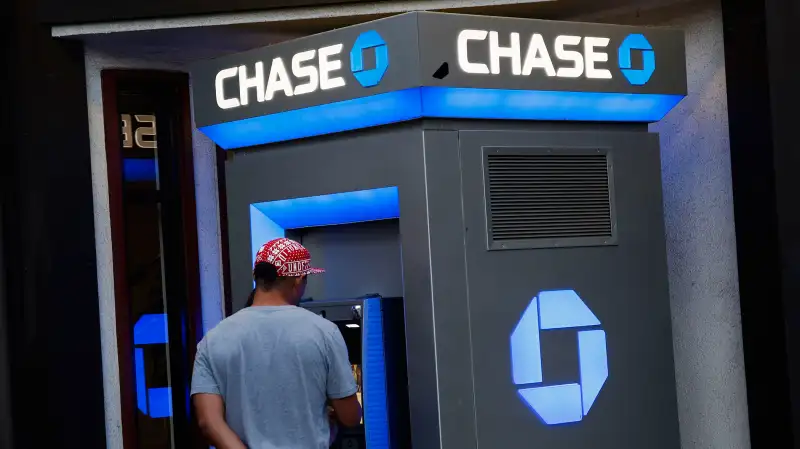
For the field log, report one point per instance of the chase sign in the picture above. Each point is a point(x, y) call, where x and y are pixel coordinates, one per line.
point(442, 66)
point(562, 403)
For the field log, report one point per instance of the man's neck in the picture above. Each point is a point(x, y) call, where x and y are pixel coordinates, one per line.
point(270, 298)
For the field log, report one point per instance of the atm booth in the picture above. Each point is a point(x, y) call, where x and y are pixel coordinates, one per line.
point(486, 198)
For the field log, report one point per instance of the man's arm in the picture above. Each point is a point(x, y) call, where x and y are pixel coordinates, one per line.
point(347, 410)
point(210, 410)
point(341, 384)
point(209, 404)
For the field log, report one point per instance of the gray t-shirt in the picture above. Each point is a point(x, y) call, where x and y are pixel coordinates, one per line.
point(275, 367)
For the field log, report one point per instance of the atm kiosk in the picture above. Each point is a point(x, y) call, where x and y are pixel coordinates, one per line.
point(374, 331)
point(514, 157)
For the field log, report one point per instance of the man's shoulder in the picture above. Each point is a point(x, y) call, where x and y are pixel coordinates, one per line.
point(245, 318)
point(314, 320)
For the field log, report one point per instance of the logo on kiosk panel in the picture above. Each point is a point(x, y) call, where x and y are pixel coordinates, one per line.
point(303, 73)
point(564, 57)
point(563, 403)
point(370, 77)
point(637, 77)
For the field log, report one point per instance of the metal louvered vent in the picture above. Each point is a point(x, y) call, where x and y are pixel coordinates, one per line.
point(539, 197)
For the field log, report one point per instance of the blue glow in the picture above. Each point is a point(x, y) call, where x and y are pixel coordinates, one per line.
point(593, 360)
point(563, 309)
point(262, 230)
point(637, 77)
point(451, 102)
point(441, 102)
point(364, 112)
point(137, 170)
point(557, 404)
point(141, 388)
point(367, 40)
point(526, 351)
point(160, 402)
point(333, 209)
point(269, 220)
point(373, 372)
point(151, 330)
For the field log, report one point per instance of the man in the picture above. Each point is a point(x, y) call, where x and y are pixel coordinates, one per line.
point(264, 376)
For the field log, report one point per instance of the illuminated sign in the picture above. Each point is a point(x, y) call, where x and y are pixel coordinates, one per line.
point(437, 65)
point(311, 70)
point(563, 403)
point(312, 77)
point(637, 77)
point(578, 56)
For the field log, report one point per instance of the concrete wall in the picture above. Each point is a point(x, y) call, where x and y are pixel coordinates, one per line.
point(701, 246)
point(206, 196)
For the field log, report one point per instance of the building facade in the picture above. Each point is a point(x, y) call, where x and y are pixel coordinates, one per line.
point(727, 176)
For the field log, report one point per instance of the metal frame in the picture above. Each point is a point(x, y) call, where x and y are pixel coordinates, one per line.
point(493, 245)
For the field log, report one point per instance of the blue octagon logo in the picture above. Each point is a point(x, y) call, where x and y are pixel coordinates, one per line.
point(367, 40)
point(637, 77)
point(564, 403)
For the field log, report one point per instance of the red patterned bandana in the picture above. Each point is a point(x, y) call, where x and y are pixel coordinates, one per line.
point(289, 257)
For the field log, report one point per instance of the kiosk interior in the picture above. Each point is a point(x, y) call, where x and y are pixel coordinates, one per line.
point(512, 161)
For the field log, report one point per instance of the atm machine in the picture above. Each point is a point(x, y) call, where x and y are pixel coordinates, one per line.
point(496, 174)
point(374, 331)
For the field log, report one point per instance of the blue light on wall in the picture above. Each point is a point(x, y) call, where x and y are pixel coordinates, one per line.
point(566, 403)
point(373, 372)
point(150, 329)
point(441, 102)
point(139, 170)
point(269, 220)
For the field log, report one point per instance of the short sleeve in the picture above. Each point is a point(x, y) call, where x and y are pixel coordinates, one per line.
point(341, 383)
point(203, 379)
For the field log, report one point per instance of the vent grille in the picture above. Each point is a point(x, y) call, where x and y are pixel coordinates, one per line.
point(553, 196)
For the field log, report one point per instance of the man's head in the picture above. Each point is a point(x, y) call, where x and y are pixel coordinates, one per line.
point(282, 266)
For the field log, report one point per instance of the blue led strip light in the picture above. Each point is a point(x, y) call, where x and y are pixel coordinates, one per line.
point(373, 376)
point(441, 102)
point(364, 112)
point(270, 219)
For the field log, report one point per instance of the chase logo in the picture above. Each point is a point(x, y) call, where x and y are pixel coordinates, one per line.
point(564, 403)
point(637, 77)
point(368, 40)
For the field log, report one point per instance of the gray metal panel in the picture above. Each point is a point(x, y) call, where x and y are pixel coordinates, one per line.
point(625, 286)
point(359, 259)
point(400, 34)
point(449, 271)
point(388, 156)
point(438, 44)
